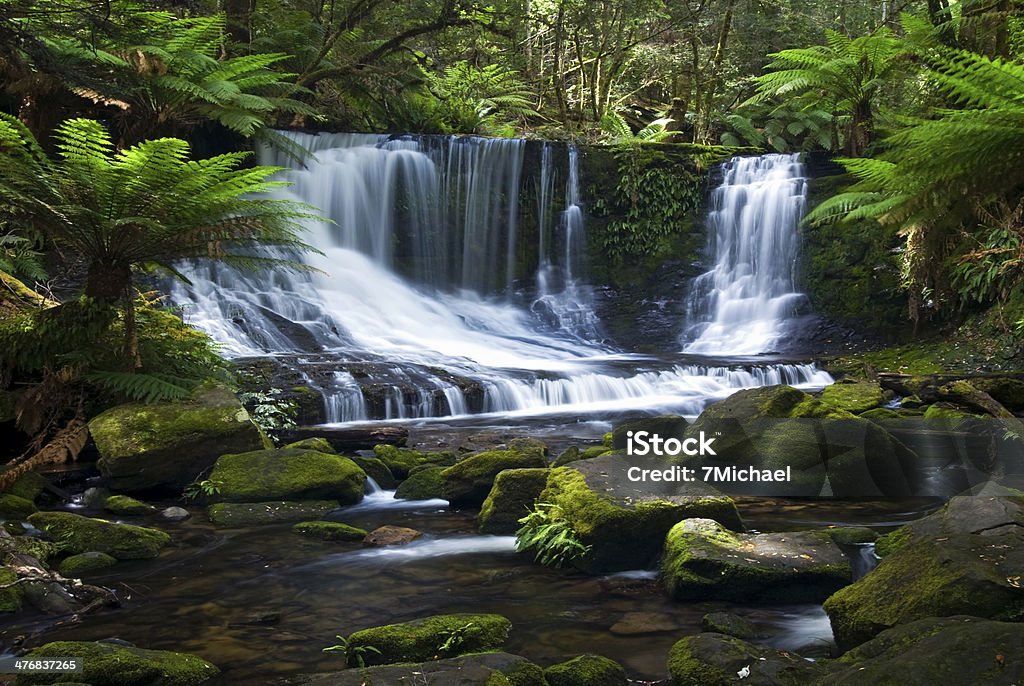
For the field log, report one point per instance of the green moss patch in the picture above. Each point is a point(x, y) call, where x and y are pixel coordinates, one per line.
point(512, 497)
point(289, 474)
point(586, 670)
point(16, 508)
point(329, 531)
point(467, 483)
point(853, 397)
point(84, 564)
point(107, 664)
point(430, 638)
point(79, 534)
point(401, 461)
point(424, 483)
point(125, 505)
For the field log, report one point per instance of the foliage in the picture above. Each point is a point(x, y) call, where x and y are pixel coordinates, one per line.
point(269, 410)
point(781, 128)
point(551, 538)
point(619, 132)
point(202, 489)
point(453, 639)
point(475, 100)
point(359, 652)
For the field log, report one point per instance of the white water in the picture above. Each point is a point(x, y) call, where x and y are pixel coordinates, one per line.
point(446, 210)
point(435, 547)
point(744, 303)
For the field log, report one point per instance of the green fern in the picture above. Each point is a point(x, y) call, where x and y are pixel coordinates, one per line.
point(551, 538)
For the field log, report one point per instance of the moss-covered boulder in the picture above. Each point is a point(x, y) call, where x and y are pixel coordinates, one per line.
point(109, 664)
point(1007, 390)
point(623, 523)
point(377, 470)
point(273, 512)
point(467, 483)
point(16, 508)
point(320, 445)
point(28, 486)
point(511, 498)
point(168, 445)
point(729, 624)
point(853, 396)
point(429, 638)
point(329, 531)
point(10, 598)
point(83, 534)
point(84, 564)
point(287, 474)
point(403, 460)
point(425, 483)
point(965, 558)
point(586, 670)
point(712, 659)
point(704, 561)
point(126, 505)
point(481, 669)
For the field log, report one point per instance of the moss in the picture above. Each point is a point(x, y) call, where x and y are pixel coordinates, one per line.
point(329, 531)
point(107, 664)
point(376, 470)
point(82, 564)
point(525, 673)
point(124, 505)
point(42, 550)
point(879, 413)
point(320, 445)
point(853, 397)
point(402, 460)
point(83, 534)
point(729, 624)
point(852, 535)
point(514, 493)
point(424, 483)
point(423, 639)
point(28, 486)
point(893, 541)
point(273, 512)
point(687, 669)
point(586, 670)
point(290, 474)
point(944, 412)
point(570, 454)
point(467, 483)
point(16, 508)
point(10, 598)
point(594, 451)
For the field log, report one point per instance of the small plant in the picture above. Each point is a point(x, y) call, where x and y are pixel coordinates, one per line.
point(358, 652)
point(202, 489)
point(453, 639)
point(270, 411)
point(552, 539)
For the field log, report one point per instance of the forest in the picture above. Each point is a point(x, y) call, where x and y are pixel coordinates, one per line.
point(323, 324)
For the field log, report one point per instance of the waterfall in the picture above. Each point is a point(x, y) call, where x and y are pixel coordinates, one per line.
point(743, 304)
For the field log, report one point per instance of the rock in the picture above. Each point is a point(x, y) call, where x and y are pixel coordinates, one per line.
point(175, 514)
point(484, 669)
point(467, 483)
point(10, 598)
point(570, 454)
point(108, 664)
point(401, 461)
point(78, 565)
point(168, 445)
point(28, 486)
point(378, 471)
point(352, 439)
point(16, 508)
point(586, 670)
point(729, 624)
point(276, 512)
point(1006, 390)
point(852, 535)
point(318, 444)
point(80, 534)
point(712, 659)
point(965, 558)
point(854, 397)
point(666, 426)
point(329, 531)
point(292, 474)
point(391, 535)
point(95, 497)
point(511, 498)
point(623, 523)
point(424, 483)
point(528, 445)
point(124, 505)
point(705, 561)
point(965, 393)
point(879, 413)
point(638, 623)
point(422, 639)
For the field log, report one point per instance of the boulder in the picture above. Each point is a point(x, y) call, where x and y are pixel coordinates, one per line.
point(320, 445)
point(403, 460)
point(276, 512)
point(125, 505)
point(329, 531)
point(16, 508)
point(511, 498)
point(705, 561)
point(391, 535)
point(168, 445)
point(586, 670)
point(423, 484)
point(288, 474)
point(429, 638)
point(853, 396)
point(484, 669)
point(729, 624)
point(711, 659)
point(467, 483)
point(1008, 391)
point(28, 486)
point(175, 514)
point(965, 558)
point(623, 523)
point(85, 563)
point(378, 471)
point(110, 664)
point(11, 598)
point(79, 534)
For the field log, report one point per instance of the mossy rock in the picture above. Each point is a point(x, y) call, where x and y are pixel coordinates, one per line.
point(467, 483)
point(274, 512)
point(424, 483)
point(291, 474)
point(855, 398)
point(586, 670)
point(378, 471)
point(1007, 390)
point(16, 508)
point(168, 445)
point(83, 564)
point(108, 664)
point(125, 505)
point(83, 534)
point(705, 561)
point(422, 639)
point(570, 454)
point(511, 498)
point(712, 659)
point(320, 445)
point(729, 624)
point(41, 549)
point(10, 598)
point(852, 535)
point(403, 460)
point(329, 531)
point(28, 486)
point(624, 523)
point(879, 414)
point(481, 669)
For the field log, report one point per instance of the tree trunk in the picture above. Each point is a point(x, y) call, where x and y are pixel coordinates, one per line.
point(239, 20)
point(107, 281)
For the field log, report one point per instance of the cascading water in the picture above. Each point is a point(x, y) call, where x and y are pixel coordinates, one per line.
point(742, 306)
point(411, 312)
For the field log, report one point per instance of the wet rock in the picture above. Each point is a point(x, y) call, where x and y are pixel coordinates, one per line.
point(703, 560)
point(10, 598)
point(28, 486)
point(125, 505)
point(711, 659)
point(638, 623)
point(318, 443)
point(729, 624)
point(108, 664)
point(329, 531)
point(570, 454)
point(377, 470)
point(288, 474)
point(853, 396)
point(511, 498)
point(85, 563)
point(80, 534)
point(423, 639)
point(852, 535)
point(391, 535)
point(467, 483)
point(167, 445)
point(401, 461)
point(15, 507)
point(275, 512)
point(425, 483)
point(485, 669)
point(1007, 390)
point(586, 670)
point(175, 514)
